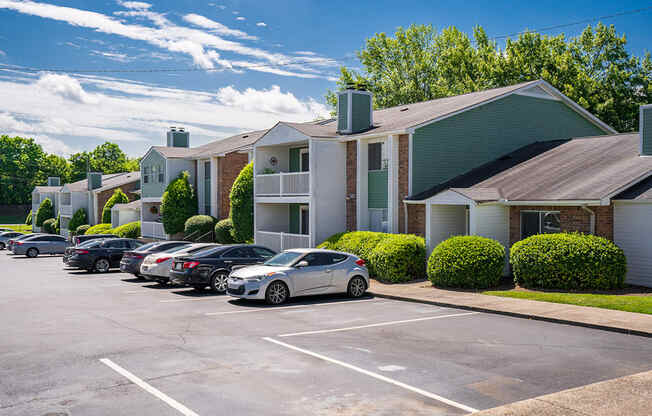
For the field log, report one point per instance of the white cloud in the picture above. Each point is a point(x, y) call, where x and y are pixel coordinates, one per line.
point(54, 146)
point(66, 87)
point(270, 101)
point(3, 53)
point(207, 23)
point(306, 53)
point(261, 24)
point(119, 57)
point(240, 18)
point(137, 5)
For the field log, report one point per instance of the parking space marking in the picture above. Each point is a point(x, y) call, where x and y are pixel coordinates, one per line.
point(351, 328)
point(148, 388)
point(189, 300)
point(282, 308)
point(376, 376)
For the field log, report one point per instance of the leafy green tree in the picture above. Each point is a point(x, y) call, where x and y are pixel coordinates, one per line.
point(54, 165)
point(108, 158)
point(79, 166)
point(49, 226)
point(20, 164)
point(28, 220)
point(78, 219)
point(118, 197)
point(179, 202)
point(242, 204)
point(45, 212)
point(57, 224)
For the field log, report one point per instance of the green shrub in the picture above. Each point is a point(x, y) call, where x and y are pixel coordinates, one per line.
point(81, 230)
point(45, 212)
point(99, 229)
point(118, 197)
point(78, 218)
point(49, 226)
point(467, 262)
point(57, 224)
point(199, 225)
point(179, 203)
point(389, 257)
point(242, 204)
point(224, 231)
point(128, 230)
point(568, 261)
point(28, 220)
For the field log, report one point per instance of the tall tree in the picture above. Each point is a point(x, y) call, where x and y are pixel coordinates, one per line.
point(20, 164)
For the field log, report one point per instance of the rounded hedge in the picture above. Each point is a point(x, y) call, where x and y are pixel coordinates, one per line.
point(223, 231)
point(78, 218)
point(28, 220)
point(81, 230)
point(360, 243)
point(128, 230)
point(198, 225)
point(568, 261)
point(118, 197)
point(49, 226)
point(467, 262)
point(99, 229)
point(178, 203)
point(242, 204)
point(45, 212)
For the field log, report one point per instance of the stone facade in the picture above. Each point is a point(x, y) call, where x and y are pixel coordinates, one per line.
point(403, 178)
point(229, 168)
point(104, 196)
point(351, 185)
point(416, 219)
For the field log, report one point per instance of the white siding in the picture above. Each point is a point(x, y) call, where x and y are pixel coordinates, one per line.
point(175, 166)
point(328, 176)
point(445, 221)
point(492, 221)
point(632, 231)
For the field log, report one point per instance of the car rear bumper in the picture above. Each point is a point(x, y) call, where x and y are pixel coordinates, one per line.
point(79, 263)
point(130, 267)
point(190, 279)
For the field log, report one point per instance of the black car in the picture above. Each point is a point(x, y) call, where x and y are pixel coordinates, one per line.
point(131, 260)
point(212, 267)
point(71, 250)
point(78, 239)
point(102, 254)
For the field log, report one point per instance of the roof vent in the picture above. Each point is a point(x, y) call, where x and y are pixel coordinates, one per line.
point(245, 136)
point(354, 109)
point(94, 180)
point(178, 137)
point(405, 109)
point(54, 181)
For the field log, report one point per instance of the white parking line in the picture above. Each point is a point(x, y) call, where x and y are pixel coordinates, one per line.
point(148, 388)
point(189, 300)
point(351, 328)
point(376, 376)
point(282, 308)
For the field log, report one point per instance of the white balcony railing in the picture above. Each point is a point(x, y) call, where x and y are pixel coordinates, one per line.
point(283, 184)
point(282, 241)
point(153, 230)
point(66, 210)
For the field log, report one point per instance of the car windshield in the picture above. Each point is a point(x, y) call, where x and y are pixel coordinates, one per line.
point(147, 246)
point(200, 250)
point(283, 259)
point(175, 249)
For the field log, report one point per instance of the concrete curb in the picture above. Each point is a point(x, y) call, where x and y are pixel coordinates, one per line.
point(517, 315)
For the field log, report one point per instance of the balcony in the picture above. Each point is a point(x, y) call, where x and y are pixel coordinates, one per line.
point(282, 241)
point(153, 230)
point(66, 210)
point(283, 184)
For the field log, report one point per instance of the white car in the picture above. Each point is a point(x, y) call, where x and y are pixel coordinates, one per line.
point(300, 272)
point(157, 266)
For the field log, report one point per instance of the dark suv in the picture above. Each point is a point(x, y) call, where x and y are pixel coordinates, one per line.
point(78, 239)
point(102, 254)
point(131, 260)
point(212, 267)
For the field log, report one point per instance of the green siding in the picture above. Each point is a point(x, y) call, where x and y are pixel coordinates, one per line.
point(646, 131)
point(153, 189)
point(342, 112)
point(295, 220)
point(443, 150)
point(295, 159)
point(360, 112)
point(377, 189)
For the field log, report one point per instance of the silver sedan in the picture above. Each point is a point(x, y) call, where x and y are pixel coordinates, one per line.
point(41, 244)
point(300, 272)
point(6, 236)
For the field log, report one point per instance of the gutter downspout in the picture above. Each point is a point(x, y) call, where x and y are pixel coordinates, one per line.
point(405, 217)
point(592, 218)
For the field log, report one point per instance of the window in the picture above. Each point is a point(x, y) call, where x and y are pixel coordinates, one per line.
point(376, 156)
point(146, 171)
point(304, 220)
point(336, 258)
point(161, 174)
point(262, 253)
point(318, 259)
point(539, 222)
point(304, 160)
point(378, 220)
point(240, 252)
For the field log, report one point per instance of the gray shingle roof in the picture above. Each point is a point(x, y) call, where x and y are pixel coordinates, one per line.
point(44, 189)
point(229, 144)
point(173, 152)
point(108, 181)
point(135, 205)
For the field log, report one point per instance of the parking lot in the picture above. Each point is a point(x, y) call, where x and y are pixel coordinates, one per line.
point(78, 343)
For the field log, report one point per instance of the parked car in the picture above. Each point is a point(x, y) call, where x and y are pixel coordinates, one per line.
point(11, 241)
point(40, 244)
point(78, 239)
point(300, 272)
point(5, 230)
point(157, 266)
point(212, 267)
point(71, 250)
point(6, 236)
point(132, 260)
point(102, 254)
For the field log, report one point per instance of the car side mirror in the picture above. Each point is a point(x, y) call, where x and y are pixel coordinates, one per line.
point(300, 264)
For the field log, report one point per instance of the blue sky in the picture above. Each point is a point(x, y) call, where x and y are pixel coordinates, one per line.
point(270, 60)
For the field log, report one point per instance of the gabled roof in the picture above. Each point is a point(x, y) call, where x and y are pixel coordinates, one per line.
point(173, 152)
point(109, 181)
point(44, 189)
point(133, 205)
point(230, 144)
point(642, 191)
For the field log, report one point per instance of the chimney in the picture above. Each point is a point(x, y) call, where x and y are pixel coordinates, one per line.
point(54, 181)
point(645, 130)
point(178, 137)
point(354, 109)
point(94, 180)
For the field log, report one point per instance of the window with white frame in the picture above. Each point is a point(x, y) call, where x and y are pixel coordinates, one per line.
point(161, 173)
point(539, 222)
point(377, 158)
point(146, 171)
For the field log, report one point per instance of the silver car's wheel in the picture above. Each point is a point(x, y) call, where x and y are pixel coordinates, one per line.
point(277, 293)
point(218, 282)
point(32, 252)
point(357, 287)
point(102, 265)
point(2, 246)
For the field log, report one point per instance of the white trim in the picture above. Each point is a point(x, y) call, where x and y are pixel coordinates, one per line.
point(545, 96)
point(640, 129)
point(151, 199)
point(589, 202)
point(428, 226)
point(420, 202)
point(312, 200)
point(629, 185)
point(371, 135)
point(304, 208)
point(305, 199)
point(410, 147)
point(358, 184)
point(632, 201)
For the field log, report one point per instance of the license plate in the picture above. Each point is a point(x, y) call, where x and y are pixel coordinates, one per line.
point(178, 266)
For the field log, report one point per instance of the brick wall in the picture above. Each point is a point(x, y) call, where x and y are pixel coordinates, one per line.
point(403, 177)
point(416, 219)
point(351, 182)
point(104, 196)
point(229, 168)
point(571, 218)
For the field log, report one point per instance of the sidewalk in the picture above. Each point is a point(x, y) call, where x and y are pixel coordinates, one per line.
point(611, 320)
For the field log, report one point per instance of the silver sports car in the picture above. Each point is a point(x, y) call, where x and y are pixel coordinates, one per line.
point(300, 272)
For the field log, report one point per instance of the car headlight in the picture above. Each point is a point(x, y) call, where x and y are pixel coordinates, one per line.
point(255, 279)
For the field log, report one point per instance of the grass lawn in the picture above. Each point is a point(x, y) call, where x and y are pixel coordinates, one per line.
point(18, 227)
point(628, 303)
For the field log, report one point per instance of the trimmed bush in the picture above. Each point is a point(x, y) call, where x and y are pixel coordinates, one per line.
point(568, 261)
point(57, 224)
point(242, 205)
point(118, 197)
point(99, 229)
point(78, 218)
point(45, 212)
point(389, 257)
point(467, 262)
point(128, 230)
point(199, 225)
point(81, 230)
point(179, 203)
point(49, 226)
point(28, 220)
point(224, 231)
